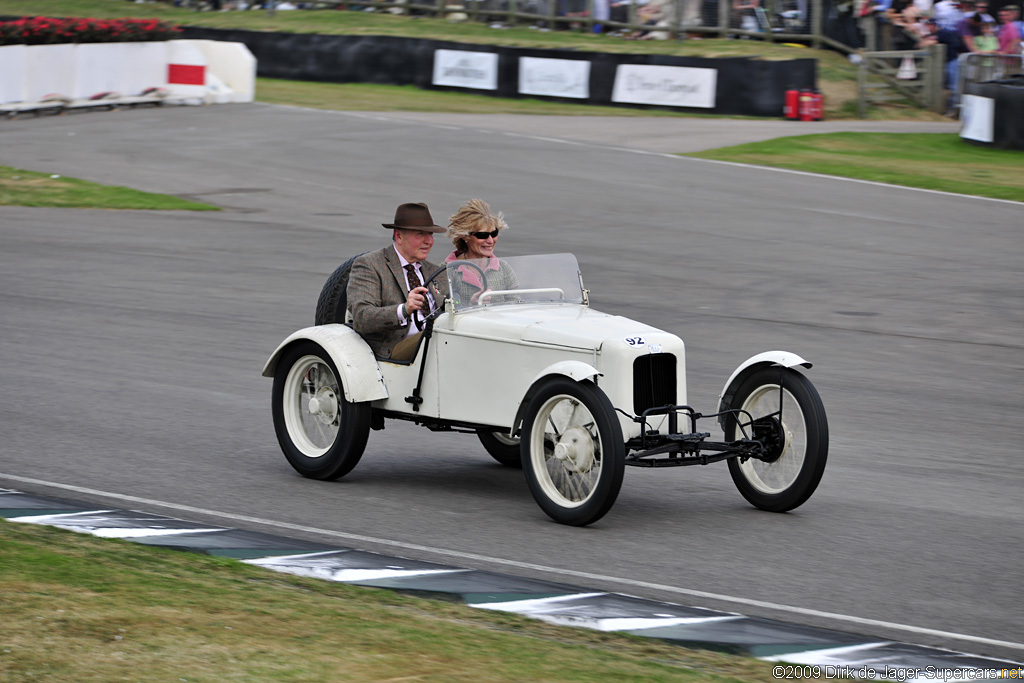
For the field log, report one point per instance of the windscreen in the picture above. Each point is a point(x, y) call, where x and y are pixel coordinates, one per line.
point(515, 280)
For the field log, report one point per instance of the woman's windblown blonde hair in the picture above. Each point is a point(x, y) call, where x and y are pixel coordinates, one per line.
point(473, 216)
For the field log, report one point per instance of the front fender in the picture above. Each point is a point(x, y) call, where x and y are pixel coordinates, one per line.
point(360, 375)
point(573, 369)
point(768, 358)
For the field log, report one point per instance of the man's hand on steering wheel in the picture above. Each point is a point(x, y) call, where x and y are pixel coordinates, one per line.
point(416, 301)
point(419, 295)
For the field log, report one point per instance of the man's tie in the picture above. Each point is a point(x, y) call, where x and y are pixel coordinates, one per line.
point(414, 282)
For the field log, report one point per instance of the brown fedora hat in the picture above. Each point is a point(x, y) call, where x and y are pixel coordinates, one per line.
point(414, 217)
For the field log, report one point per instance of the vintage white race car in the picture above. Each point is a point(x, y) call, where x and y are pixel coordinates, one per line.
point(573, 395)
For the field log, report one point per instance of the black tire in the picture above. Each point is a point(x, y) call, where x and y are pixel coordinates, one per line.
point(500, 447)
point(325, 439)
point(330, 307)
point(787, 482)
point(573, 459)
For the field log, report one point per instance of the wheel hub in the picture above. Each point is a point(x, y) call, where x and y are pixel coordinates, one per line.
point(575, 450)
point(773, 435)
point(324, 405)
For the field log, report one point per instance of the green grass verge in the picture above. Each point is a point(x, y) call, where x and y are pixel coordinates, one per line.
point(933, 161)
point(30, 188)
point(78, 608)
point(370, 97)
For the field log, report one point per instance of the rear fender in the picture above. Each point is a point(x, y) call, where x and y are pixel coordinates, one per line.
point(360, 374)
point(573, 369)
point(767, 359)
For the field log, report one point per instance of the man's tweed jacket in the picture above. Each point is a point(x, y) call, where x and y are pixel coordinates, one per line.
point(376, 286)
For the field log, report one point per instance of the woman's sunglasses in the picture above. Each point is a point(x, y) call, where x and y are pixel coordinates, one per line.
point(484, 235)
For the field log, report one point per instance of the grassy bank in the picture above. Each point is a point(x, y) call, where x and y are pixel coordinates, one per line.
point(30, 188)
point(933, 161)
point(89, 610)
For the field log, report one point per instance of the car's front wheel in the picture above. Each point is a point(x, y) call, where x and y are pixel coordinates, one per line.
point(322, 434)
point(572, 451)
point(786, 407)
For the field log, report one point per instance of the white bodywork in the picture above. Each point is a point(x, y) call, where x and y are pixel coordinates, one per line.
point(483, 360)
point(481, 363)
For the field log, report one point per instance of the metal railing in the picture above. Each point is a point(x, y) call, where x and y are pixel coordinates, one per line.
point(978, 68)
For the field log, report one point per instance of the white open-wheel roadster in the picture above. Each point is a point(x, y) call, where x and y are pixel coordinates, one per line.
point(573, 395)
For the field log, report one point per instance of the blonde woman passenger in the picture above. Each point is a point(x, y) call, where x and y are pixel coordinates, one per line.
point(474, 230)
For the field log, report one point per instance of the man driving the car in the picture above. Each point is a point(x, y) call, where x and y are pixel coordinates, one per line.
point(386, 295)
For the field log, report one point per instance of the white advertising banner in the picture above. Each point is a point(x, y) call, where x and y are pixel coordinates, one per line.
point(554, 77)
point(673, 86)
point(463, 69)
point(977, 115)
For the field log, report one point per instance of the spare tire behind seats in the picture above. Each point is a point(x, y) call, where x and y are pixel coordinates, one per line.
point(330, 307)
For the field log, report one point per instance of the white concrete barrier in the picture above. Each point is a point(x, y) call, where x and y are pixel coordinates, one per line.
point(191, 71)
point(49, 70)
point(233, 65)
point(186, 72)
point(144, 66)
point(12, 73)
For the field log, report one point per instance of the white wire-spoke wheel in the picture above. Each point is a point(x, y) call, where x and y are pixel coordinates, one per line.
point(322, 435)
point(573, 451)
point(796, 439)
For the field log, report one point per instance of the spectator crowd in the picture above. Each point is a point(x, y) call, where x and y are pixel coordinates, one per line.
point(961, 26)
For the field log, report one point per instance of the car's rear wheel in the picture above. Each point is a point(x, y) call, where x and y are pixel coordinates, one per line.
point(322, 434)
point(501, 447)
point(798, 438)
point(572, 451)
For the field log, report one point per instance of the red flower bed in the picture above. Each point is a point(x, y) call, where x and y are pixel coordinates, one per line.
point(47, 30)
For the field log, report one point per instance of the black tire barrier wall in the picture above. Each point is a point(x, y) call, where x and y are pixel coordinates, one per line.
point(1008, 111)
point(744, 86)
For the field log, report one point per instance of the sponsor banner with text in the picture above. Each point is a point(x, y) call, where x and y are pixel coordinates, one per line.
point(977, 117)
point(554, 77)
point(673, 86)
point(462, 69)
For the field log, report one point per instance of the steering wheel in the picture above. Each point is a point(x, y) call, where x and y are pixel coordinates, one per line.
point(417, 317)
point(436, 311)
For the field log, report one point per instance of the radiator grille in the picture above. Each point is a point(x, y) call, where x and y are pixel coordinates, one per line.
point(654, 381)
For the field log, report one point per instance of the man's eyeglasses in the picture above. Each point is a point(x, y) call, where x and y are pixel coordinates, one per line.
point(484, 235)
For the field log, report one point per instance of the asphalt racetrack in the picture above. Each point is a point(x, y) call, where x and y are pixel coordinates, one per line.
point(131, 346)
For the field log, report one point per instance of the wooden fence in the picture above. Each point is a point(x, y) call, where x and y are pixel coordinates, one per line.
point(914, 75)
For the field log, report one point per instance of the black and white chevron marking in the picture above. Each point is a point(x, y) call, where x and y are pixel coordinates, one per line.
point(551, 602)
